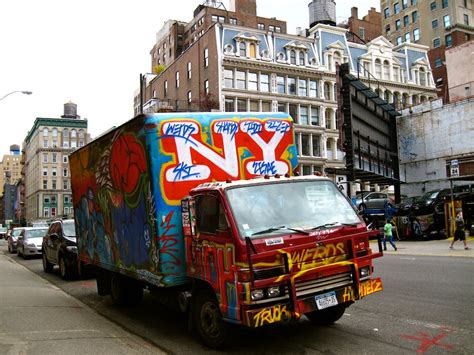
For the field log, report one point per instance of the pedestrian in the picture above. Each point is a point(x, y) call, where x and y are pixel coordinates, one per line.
point(387, 228)
point(459, 232)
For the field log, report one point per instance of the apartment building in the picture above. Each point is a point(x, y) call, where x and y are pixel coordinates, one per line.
point(253, 66)
point(438, 24)
point(46, 149)
point(367, 28)
point(10, 167)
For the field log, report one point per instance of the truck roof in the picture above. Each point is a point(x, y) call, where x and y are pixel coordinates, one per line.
point(222, 185)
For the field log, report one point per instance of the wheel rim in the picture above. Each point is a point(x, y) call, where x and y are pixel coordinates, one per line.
point(62, 267)
point(210, 319)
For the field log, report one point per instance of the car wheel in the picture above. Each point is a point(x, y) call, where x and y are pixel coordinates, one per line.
point(327, 316)
point(362, 207)
point(63, 269)
point(10, 249)
point(23, 253)
point(47, 266)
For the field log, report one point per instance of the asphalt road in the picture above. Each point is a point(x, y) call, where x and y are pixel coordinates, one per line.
point(425, 307)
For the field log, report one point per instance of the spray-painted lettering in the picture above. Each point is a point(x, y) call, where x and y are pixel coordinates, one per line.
point(270, 315)
point(264, 167)
point(184, 172)
point(252, 127)
point(278, 126)
point(321, 255)
point(227, 127)
point(368, 287)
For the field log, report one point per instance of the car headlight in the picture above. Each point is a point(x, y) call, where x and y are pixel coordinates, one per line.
point(257, 294)
point(33, 245)
point(273, 291)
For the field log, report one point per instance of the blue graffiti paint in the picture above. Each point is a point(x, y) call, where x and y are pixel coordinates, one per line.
point(278, 126)
point(252, 127)
point(183, 171)
point(264, 168)
point(229, 128)
point(181, 130)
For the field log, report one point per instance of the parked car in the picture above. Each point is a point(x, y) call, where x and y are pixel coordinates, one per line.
point(60, 248)
point(372, 200)
point(405, 206)
point(12, 239)
point(29, 241)
point(427, 202)
point(3, 231)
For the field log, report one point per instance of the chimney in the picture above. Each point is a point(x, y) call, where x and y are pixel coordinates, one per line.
point(244, 7)
point(354, 12)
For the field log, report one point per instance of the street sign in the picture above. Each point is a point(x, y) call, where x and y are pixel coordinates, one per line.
point(341, 182)
point(454, 167)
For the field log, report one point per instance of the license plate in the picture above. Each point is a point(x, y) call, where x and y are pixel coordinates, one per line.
point(326, 300)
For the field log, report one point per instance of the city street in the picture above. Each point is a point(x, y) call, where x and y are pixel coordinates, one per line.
point(425, 307)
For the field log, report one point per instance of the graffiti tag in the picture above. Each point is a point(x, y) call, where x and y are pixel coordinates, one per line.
point(270, 315)
point(368, 287)
point(181, 130)
point(227, 127)
point(264, 168)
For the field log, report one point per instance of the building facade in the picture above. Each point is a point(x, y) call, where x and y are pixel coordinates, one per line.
point(459, 63)
point(231, 67)
point(10, 167)
point(46, 174)
point(438, 24)
point(367, 28)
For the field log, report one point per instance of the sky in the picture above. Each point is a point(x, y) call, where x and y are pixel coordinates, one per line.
point(91, 52)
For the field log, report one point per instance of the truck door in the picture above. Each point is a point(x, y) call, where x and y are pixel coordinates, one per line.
point(213, 250)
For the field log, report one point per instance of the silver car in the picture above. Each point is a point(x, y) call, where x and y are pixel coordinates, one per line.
point(372, 200)
point(30, 241)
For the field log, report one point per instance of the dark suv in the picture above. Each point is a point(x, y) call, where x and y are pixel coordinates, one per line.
point(60, 248)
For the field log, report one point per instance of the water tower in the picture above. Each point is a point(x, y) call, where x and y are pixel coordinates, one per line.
point(14, 149)
point(70, 110)
point(322, 11)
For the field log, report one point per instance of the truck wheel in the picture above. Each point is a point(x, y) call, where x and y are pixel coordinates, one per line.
point(125, 291)
point(212, 329)
point(47, 266)
point(327, 316)
point(64, 269)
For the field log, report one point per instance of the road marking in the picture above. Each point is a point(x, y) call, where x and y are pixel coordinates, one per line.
point(426, 342)
point(408, 259)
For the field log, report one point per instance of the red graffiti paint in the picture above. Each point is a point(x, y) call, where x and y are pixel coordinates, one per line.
point(426, 342)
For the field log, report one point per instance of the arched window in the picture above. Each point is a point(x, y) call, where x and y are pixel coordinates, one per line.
point(55, 132)
point(45, 132)
point(66, 133)
point(337, 58)
point(292, 57)
point(242, 49)
point(301, 61)
point(327, 91)
point(386, 70)
point(81, 133)
point(73, 133)
point(253, 50)
point(422, 77)
point(378, 69)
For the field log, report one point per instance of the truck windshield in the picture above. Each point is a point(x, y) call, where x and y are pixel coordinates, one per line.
point(276, 208)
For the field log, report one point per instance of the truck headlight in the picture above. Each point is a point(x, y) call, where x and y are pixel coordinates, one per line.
point(364, 272)
point(257, 294)
point(273, 291)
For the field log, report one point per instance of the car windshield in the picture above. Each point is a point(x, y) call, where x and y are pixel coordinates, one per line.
point(16, 232)
point(69, 229)
point(298, 205)
point(35, 233)
point(429, 195)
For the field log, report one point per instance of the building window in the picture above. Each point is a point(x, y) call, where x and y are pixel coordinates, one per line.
point(305, 150)
point(266, 106)
point(407, 37)
point(378, 69)
point(233, 21)
point(387, 28)
point(304, 115)
point(292, 57)
point(434, 23)
point(55, 157)
point(449, 41)
point(229, 105)
point(228, 78)
point(404, 4)
point(399, 40)
point(45, 143)
point(271, 28)
point(293, 112)
point(386, 12)
point(65, 159)
point(444, 4)
point(316, 146)
point(436, 43)
point(397, 25)
point(327, 91)
point(281, 88)
point(291, 86)
point(277, 29)
point(221, 19)
point(45, 132)
point(301, 58)
point(465, 3)
point(214, 18)
point(302, 87)
point(253, 106)
point(190, 98)
point(438, 63)
point(362, 32)
point(53, 172)
point(386, 70)
point(45, 157)
point(73, 144)
point(46, 212)
point(65, 172)
point(315, 116)
point(264, 82)
point(55, 132)
point(206, 87)
point(396, 8)
point(45, 184)
point(165, 88)
point(206, 57)
point(413, 2)
point(241, 105)
point(313, 88)
point(433, 5)
point(189, 70)
point(416, 34)
point(466, 19)
point(65, 185)
point(253, 81)
point(261, 26)
point(45, 171)
point(446, 21)
point(177, 79)
point(53, 184)
point(414, 16)
point(406, 21)
point(240, 80)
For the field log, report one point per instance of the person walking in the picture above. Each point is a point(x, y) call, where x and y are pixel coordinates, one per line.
point(459, 233)
point(387, 228)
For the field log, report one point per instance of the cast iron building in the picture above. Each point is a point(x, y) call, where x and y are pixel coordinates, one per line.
point(46, 163)
point(237, 61)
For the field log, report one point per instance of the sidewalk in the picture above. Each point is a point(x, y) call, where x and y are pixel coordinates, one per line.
point(431, 248)
point(39, 318)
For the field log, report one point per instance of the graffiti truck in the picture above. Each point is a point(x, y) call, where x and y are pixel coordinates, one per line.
point(205, 207)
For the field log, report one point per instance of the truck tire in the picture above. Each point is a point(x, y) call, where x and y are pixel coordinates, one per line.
point(125, 291)
point(47, 266)
point(327, 316)
point(207, 318)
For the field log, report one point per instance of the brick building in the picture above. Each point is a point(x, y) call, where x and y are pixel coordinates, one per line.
point(367, 28)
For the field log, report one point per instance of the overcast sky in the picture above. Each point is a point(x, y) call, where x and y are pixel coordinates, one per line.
point(91, 52)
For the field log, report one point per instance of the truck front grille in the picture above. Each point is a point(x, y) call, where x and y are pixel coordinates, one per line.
point(313, 287)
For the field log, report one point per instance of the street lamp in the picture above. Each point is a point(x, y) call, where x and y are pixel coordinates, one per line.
point(23, 92)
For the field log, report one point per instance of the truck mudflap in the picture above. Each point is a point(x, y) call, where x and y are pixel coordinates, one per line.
point(284, 312)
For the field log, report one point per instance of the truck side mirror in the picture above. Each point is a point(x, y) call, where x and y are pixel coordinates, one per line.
point(188, 216)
